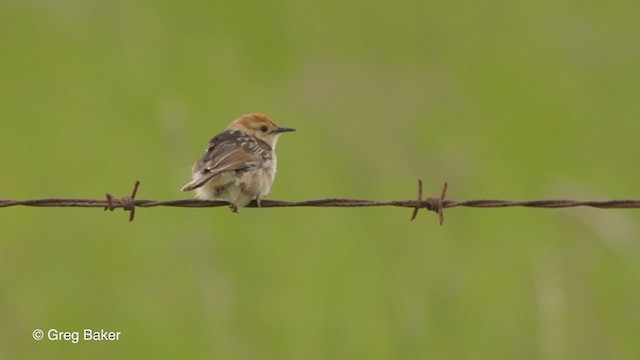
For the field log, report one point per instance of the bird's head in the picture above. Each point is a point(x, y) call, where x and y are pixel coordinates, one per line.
point(259, 126)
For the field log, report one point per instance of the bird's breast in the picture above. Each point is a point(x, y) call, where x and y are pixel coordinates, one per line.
point(258, 180)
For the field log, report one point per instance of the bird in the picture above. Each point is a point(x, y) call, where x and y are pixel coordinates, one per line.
point(239, 164)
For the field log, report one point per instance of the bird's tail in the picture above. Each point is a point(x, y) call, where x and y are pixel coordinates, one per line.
point(196, 183)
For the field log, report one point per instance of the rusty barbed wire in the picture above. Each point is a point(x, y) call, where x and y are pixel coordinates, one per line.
point(435, 204)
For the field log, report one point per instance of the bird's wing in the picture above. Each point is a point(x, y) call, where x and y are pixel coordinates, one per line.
point(224, 154)
point(225, 157)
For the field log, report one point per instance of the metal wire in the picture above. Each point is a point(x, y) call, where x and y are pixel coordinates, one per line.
point(129, 203)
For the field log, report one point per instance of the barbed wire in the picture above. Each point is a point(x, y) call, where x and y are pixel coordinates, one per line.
point(435, 204)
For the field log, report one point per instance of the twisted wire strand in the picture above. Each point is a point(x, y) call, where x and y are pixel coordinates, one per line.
point(436, 204)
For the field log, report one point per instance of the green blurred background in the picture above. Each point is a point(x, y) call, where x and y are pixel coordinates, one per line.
point(502, 99)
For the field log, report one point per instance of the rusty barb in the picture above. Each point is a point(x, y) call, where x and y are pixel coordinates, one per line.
point(431, 204)
point(435, 204)
point(126, 202)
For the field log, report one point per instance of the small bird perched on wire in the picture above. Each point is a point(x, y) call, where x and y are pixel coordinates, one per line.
point(240, 163)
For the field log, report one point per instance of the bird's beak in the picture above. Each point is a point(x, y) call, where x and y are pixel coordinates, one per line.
point(283, 129)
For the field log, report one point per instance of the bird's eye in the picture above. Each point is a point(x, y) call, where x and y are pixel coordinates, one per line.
point(264, 128)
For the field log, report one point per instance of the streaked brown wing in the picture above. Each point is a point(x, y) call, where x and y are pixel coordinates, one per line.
point(224, 155)
point(228, 156)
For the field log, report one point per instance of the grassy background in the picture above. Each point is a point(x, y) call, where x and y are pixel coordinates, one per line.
point(502, 99)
